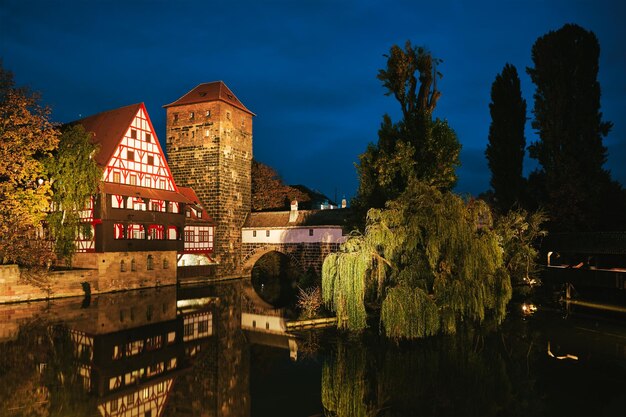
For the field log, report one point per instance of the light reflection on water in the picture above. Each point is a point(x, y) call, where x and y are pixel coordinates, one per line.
point(203, 351)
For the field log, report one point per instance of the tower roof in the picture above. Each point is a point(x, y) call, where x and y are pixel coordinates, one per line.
point(212, 91)
point(108, 128)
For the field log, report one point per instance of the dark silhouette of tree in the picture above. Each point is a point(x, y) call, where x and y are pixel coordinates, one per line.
point(505, 151)
point(268, 190)
point(571, 182)
point(415, 147)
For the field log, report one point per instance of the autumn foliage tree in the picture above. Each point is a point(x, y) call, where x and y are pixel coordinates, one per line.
point(268, 190)
point(26, 138)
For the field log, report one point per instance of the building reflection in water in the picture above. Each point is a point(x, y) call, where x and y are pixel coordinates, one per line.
point(141, 353)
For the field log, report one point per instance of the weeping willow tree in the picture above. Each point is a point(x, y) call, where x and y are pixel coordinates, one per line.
point(429, 260)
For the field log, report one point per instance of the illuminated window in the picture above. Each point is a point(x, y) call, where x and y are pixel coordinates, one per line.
point(133, 133)
point(191, 115)
point(203, 326)
point(116, 177)
point(148, 137)
point(208, 113)
point(118, 231)
point(133, 180)
point(114, 404)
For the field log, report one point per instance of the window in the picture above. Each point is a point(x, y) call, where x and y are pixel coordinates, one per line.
point(122, 266)
point(150, 160)
point(203, 326)
point(150, 263)
point(162, 184)
point(175, 117)
point(118, 231)
point(148, 137)
point(166, 264)
point(155, 231)
point(132, 180)
point(193, 133)
point(133, 265)
point(310, 232)
point(190, 236)
point(133, 133)
point(172, 233)
point(204, 236)
point(208, 113)
point(116, 177)
point(136, 231)
point(114, 404)
point(254, 233)
point(206, 132)
point(191, 115)
point(267, 233)
point(228, 115)
point(130, 155)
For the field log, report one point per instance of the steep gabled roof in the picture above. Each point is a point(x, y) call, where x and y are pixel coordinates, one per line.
point(213, 91)
point(191, 195)
point(108, 129)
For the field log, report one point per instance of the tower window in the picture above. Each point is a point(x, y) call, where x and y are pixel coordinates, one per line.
point(175, 117)
point(228, 115)
point(310, 232)
point(191, 115)
point(254, 233)
point(208, 113)
point(267, 233)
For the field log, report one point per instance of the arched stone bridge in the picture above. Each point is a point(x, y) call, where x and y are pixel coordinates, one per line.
point(305, 236)
point(304, 255)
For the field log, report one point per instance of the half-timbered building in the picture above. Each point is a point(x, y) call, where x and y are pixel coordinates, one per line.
point(138, 218)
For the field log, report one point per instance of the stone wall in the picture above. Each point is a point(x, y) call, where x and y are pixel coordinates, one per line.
point(213, 155)
point(305, 255)
point(101, 271)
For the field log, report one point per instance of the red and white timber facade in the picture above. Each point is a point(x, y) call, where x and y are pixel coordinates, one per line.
point(139, 218)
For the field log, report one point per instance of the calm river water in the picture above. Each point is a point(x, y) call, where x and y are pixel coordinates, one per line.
point(211, 351)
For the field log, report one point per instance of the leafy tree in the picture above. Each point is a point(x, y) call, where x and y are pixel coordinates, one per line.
point(26, 137)
point(571, 182)
point(268, 190)
point(75, 177)
point(519, 231)
point(429, 261)
point(416, 146)
point(505, 151)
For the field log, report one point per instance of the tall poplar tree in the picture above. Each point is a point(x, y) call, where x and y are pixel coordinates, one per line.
point(571, 182)
point(417, 146)
point(505, 151)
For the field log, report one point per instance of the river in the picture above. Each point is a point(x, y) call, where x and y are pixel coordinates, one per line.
point(210, 351)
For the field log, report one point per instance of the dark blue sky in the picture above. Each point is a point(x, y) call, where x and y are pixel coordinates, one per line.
point(306, 68)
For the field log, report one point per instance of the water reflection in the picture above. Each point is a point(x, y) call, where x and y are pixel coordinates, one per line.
point(216, 351)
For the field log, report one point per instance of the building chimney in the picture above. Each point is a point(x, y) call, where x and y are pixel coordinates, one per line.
point(293, 213)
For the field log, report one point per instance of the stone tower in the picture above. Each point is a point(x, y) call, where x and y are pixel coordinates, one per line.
point(209, 148)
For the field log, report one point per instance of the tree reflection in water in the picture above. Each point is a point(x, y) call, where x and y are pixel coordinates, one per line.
point(465, 374)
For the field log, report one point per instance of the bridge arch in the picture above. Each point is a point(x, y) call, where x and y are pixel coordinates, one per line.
point(251, 258)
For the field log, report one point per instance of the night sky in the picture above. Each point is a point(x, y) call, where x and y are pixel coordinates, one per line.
point(306, 68)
